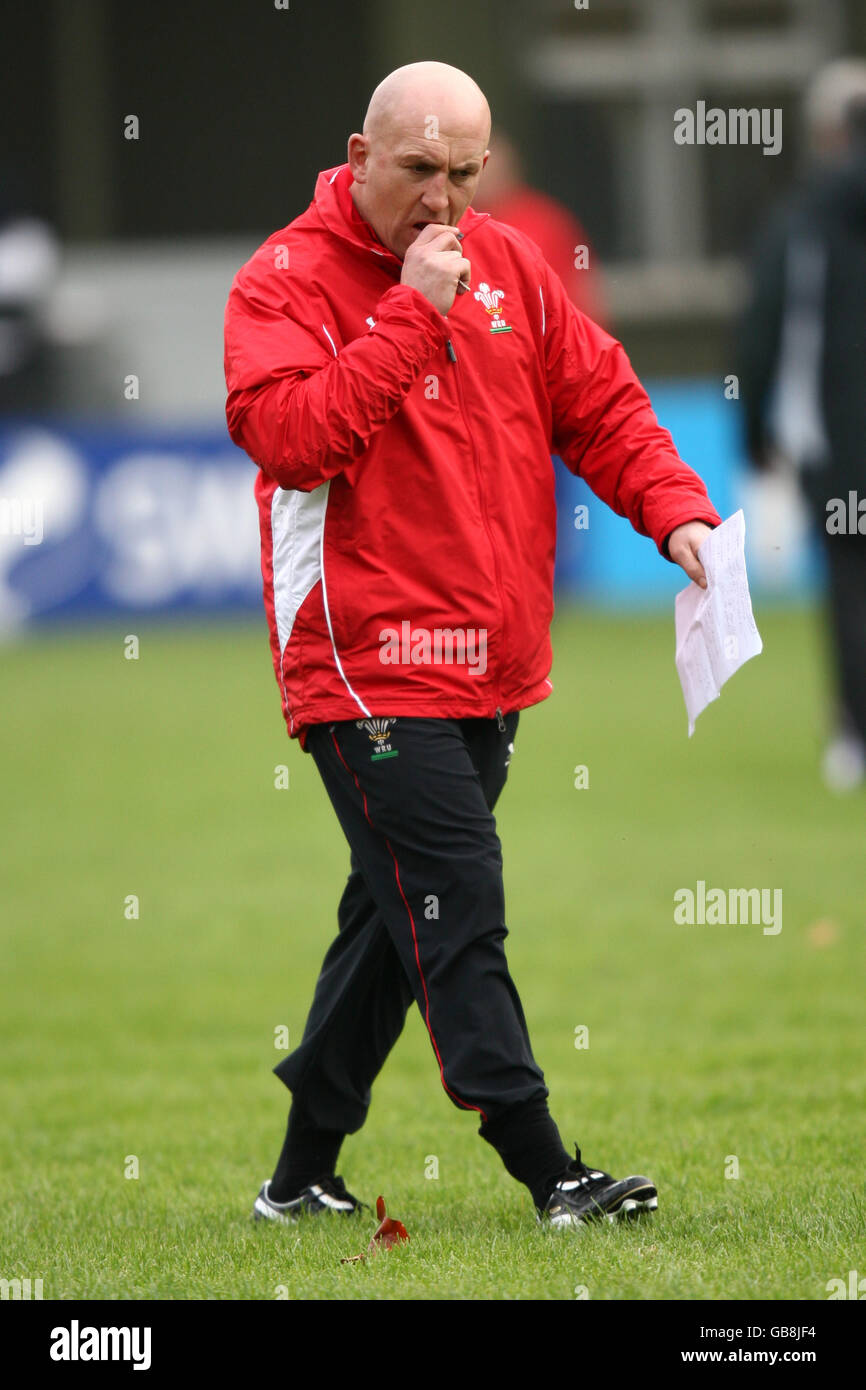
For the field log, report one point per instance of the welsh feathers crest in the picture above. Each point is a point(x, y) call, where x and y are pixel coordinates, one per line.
point(377, 729)
point(489, 298)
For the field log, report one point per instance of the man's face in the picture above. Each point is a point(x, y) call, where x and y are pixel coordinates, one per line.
point(416, 176)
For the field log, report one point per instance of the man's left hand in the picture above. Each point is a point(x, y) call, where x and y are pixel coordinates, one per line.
point(683, 546)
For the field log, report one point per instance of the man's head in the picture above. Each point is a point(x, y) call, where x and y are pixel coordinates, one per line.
point(835, 103)
point(421, 153)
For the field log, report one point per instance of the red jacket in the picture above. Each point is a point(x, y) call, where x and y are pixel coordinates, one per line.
point(406, 499)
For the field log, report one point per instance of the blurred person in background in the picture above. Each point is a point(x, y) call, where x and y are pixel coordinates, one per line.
point(29, 266)
point(505, 195)
point(802, 369)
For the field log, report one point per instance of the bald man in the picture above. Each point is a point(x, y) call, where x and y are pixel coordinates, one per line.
point(401, 368)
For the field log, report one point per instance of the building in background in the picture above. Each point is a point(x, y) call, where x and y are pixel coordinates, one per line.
point(163, 144)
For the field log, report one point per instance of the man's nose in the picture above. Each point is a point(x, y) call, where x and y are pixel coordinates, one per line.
point(436, 196)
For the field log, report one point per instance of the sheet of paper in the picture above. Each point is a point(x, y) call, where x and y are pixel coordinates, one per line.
point(715, 627)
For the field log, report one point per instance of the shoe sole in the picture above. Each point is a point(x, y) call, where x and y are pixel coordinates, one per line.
point(262, 1212)
point(630, 1208)
point(633, 1207)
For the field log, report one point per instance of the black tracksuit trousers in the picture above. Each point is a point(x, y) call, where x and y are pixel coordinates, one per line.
point(422, 917)
point(846, 594)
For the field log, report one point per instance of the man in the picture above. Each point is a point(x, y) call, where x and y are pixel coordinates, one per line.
point(29, 268)
point(403, 434)
point(803, 375)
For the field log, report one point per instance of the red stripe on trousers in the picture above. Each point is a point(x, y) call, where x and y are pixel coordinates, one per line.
point(466, 1105)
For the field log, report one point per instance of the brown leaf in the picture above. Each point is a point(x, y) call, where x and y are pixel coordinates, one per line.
point(389, 1230)
point(387, 1233)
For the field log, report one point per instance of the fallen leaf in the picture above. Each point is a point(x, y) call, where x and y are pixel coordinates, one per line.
point(387, 1233)
point(389, 1230)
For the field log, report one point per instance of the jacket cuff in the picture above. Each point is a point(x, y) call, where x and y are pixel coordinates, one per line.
point(403, 304)
point(711, 519)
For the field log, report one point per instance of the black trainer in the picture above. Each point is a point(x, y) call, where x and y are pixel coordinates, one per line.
point(328, 1194)
point(586, 1194)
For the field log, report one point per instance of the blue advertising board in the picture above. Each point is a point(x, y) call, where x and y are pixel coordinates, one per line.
point(101, 520)
point(98, 520)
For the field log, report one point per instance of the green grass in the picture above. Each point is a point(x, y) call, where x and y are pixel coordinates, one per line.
point(155, 1037)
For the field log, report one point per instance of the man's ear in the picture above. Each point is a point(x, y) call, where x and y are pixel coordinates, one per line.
point(357, 153)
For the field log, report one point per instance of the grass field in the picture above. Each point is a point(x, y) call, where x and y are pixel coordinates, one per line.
point(154, 1037)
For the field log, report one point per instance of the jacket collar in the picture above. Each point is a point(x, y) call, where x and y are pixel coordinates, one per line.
point(336, 207)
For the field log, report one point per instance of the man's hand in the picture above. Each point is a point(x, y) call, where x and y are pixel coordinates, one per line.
point(683, 549)
point(434, 263)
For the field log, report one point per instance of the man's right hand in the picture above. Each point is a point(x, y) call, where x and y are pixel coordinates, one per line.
point(434, 263)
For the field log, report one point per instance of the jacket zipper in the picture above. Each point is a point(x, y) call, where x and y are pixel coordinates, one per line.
point(453, 358)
